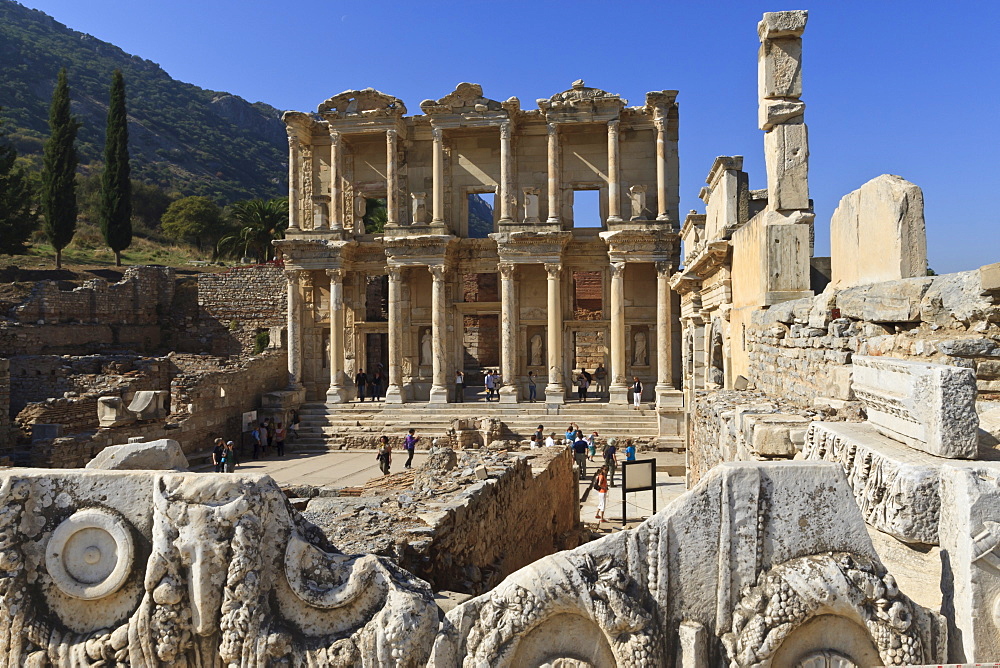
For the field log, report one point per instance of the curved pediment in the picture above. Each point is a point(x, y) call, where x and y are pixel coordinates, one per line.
point(367, 102)
point(581, 94)
point(466, 98)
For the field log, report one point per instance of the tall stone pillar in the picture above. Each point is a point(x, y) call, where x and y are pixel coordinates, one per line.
point(294, 329)
point(391, 178)
point(662, 206)
point(664, 332)
point(506, 173)
point(294, 207)
point(437, 203)
point(614, 174)
point(618, 389)
point(555, 391)
point(509, 393)
point(336, 394)
point(555, 201)
point(394, 391)
point(336, 173)
point(439, 336)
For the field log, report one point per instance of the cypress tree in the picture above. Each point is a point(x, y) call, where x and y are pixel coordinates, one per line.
point(59, 171)
point(116, 188)
point(17, 212)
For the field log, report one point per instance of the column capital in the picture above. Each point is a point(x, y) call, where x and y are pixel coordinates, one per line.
point(553, 128)
point(437, 134)
point(395, 273)
point(438, 271)
point(506, 129)
point(390, 135)
point(335, 274)
point(553, 270)
point(617, 269)
point(660, 123)
point(506, 270)
point(293, 275)
point(664, 269)
point(335, 137)
point(613, 126)
point(293, 140)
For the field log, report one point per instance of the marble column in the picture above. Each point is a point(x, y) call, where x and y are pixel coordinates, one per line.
point(394, 391)
point(509, 393)
point(294, 210)
point(336, 394)
point(662, 210)
point(618, 388)
point(554, 174)
point(437, 198)
point(664, 331)
point(506, 173)
point(614, 174)
point(336, 173)
point(555, 391)
point(294, 329)
point(391, 178)
point(439, 336)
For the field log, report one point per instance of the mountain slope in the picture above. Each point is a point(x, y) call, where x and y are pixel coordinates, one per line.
point(185, 138)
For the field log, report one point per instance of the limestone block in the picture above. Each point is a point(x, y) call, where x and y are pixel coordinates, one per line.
point(989, 277)
point(111, 412)
point(782, 24)
point(877, 233)
point(775, 112)
point(774, 435)
point(164, 454)
point(786, 158)
point(779, 68)
point(931, 407)
point(693, 641)
point(149, 404)
point(894, 301)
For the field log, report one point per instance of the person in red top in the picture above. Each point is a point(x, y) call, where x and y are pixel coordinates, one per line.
point(601, 485)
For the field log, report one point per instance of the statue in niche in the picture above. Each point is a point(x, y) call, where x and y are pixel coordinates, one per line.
point(530, 205)
point(637, 197)
point(640, 356)
point(426, 348)
point(536, 350)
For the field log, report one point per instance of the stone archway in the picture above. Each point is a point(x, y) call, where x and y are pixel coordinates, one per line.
point(565, 639)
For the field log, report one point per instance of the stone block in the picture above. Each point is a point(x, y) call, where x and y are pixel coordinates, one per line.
point(786, 157)
point(877, 233)
point(931, 407)
point(989, 278)
point(779, 69)
point(45, 432)
point(160, 455)
point(893, 301)
point(111, 412)
point(776, 112)
point(782, 24)
point(149, 404)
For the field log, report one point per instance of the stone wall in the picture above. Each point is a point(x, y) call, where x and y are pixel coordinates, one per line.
point(234, 305)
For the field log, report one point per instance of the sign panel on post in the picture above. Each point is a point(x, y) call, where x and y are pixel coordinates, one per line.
point(249, 421)
point(638, 476)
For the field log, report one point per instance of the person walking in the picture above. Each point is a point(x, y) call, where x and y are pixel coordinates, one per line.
point(459, 387)
point(490, 385)
point(361, 380)
point(410, 445)
point(231, 459)
point(255, 438)
point(279, 439)
point(636, 392)
point(601, 485)
point(601, 378)
point(580, 453)
point(611, 460)
point(384, 455)
point(592, 446)
point(532, 387)
point(540, 434)
point(218, 455)
point(269, 430)
point(629, 451)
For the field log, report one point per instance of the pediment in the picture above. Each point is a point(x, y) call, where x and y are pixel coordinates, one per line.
point(466, 98)
point(367, 102)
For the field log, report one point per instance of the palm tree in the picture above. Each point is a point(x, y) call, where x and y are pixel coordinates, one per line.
point(258, 222)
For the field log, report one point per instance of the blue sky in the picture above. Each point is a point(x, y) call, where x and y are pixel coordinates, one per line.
point(908, 88)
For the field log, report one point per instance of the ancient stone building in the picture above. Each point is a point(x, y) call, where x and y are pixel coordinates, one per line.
point(450, 241)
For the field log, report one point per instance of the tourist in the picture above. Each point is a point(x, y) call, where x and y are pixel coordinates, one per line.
point(540, 434)
point(497, 383)
point(377, 384)
point(535, 443)
point(570, 432)
point(580, 453)
point(611, 459)
point(295, 426)
point(231, 459)
point(459, 387)
point(361, 380)
point(629, 451)
point(601, 377)
point(532, 388)
point(255, 438)
point(550, 442)
point(410, 445)
point(581, 387)
point(384, 455)
point(636, 391)
point(490, 385)
point(279, 439)
point(601, 485)
point(269, 427)
point(218, 455)
point(592, 446)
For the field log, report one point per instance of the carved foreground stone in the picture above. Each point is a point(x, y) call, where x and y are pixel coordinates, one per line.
point(150, 569)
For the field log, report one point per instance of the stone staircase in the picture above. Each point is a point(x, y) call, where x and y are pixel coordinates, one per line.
point(324, 427)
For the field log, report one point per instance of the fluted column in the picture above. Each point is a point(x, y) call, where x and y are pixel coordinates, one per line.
point(336, 172)
point(391, 178)
point(614, 174)
point(662, 210)
point(554, 171)
point(336, 394)
point(506, 173)
point(555, 391)
point(618, 389)
point(439, 336)
point(294, 160)
point(664, 331)
point(437, 204)
point(394, 391)
point(294, 329)
point(508, 333)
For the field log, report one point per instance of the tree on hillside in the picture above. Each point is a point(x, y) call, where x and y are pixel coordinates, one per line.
point(18, 217)
point(116, 187)
point(59, 171)
point(258, 222)
point(193, 219)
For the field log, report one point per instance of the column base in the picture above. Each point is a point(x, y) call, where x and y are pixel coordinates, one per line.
point(439, 394)
point(336, 395)
point(393, 395)
point(618, 394)
point(668, 397)
point(555, 394)
point(509, 394)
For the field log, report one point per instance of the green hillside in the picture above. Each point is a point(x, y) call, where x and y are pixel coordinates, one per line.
point(181, 137)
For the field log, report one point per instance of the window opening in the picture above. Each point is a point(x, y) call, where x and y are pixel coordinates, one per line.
point(376, 215)
point(588, 295)
point(377, 299)
point(481, 207)
point(587, 209)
